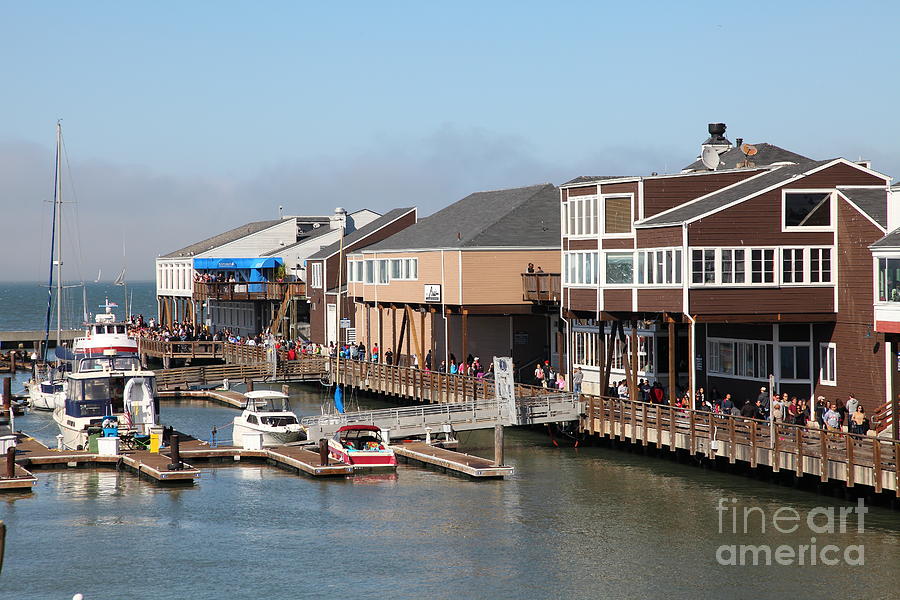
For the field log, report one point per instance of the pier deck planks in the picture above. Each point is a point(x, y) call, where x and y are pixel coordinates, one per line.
point(466, 464)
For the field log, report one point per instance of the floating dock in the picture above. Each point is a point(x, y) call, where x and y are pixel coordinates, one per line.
point(226, 397)
point(450, 461)
point(291, 457)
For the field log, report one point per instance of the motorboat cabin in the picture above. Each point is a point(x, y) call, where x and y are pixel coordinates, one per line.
point(361, 446)
point(267, 413)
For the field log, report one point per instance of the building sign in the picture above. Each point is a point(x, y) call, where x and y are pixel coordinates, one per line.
point(505, 389)
point(345, 323)
point(432, 292)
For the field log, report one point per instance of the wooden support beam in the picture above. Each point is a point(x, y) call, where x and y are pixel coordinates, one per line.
point(465, 335)
point(644, 419)
point(607, 369)
point(753, 453)
point(850, 470)
point(798, 469)
point(876, 463)
point(396, 349)
point(422, 340)
point(380, 334)
point(419, 347)
point(673, 376)
point(732, 442)
point(823, 455)
point(634, 364)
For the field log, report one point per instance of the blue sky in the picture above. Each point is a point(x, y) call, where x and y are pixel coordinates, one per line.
point(184, 119)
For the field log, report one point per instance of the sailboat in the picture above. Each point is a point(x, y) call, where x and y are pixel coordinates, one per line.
point(46, 390)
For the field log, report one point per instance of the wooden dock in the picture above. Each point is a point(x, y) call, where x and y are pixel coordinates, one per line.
point(23, 480)
point(226, 397)
point(836, 456)
point(450, 461)
point(293, 458)
point(155, 467)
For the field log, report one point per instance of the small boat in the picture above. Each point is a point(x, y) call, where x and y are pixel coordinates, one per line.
point(105, 336)
point(47, 394)
point(268, 413)
point(106, 399)
point(361, 446)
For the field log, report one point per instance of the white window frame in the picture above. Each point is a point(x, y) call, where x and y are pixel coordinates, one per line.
point(370, 271)
point(647, 273)
point(739, 349)
point(383, 271)
point(778, 255)
point(601, 224)
point(581, 218)
point(828, 363)
point(315, 278)
point(581, 268)
point(605, 256)
point(832, 209)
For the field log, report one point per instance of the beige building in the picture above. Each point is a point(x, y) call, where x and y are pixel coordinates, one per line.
point(452, 285)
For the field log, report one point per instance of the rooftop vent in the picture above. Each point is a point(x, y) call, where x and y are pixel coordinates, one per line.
point(716, 139)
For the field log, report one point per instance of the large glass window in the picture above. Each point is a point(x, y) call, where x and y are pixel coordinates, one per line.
point(704, 266)
point(795, 362)
point(792, 265)
point(370, 271)
point(316, 279)
point(619, 267)
point(889, 279)
point(383, 271)
point(617, 215)
point(396, 268)
point(820, 265)
point(762, 265)
point(807, 209)
point(733, 266)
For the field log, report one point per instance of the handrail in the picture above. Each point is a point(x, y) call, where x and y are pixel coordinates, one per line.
point(541, 287)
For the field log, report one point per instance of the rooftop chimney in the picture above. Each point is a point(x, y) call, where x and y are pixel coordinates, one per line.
point(716, 139)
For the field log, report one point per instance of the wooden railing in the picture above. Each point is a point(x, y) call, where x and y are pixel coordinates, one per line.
point(253, 290)
point(423, 386)
point(305, 369)
point(851, 458)
point(230, 353)
point(541, 287)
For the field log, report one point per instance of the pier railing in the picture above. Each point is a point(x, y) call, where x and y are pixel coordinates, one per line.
point(308, 368)
point(424, 386)
point(221, 350)
point(854, 459)
point(251, 290)
point(541, 287)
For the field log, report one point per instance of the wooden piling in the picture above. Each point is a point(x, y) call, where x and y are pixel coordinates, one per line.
point(323, 452)
point(498, 445)
point(10, 471)
point(175, 453)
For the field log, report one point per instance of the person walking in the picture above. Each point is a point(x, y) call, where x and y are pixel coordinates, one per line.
point(577, 379)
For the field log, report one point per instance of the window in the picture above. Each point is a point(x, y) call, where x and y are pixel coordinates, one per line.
point(617, 215)
point(360, 265)
point(659, 267)
point(889, 279)
point(792, 265)
point(370, 271)
point(316, 280)
point(396, 268)
point(411, 268)
point(619, 267)
point(807, 209)
point(795, 362)
point(581, 215)
point(383, 276)
point(762, 265)
point(733, 266)
point(820, 265)
point(581, 268)
point(585, 348)
point(738, 358)
point(828, 364)
point(704, 266)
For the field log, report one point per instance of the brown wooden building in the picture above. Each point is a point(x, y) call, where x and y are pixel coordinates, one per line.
point(729, 276)
point(327, 276)
point(452, 283)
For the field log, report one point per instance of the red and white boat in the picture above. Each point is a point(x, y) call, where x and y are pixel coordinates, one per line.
point(105, 336)
point(361, 446)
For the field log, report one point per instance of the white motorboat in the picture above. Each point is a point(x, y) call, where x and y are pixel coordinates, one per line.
point(98, 399)
point(268, 413)
point(47, 394)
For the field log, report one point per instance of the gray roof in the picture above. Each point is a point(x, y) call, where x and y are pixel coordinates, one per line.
point(223, 238)
point(523, 217)
point(891, 240)
point(302, 238)
point(767, 154)
point(362, 232)
point(592, 178)
point(872, 201)
point(718, 200)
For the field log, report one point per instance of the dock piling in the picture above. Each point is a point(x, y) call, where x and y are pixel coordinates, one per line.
point(498, 445)
point(175, 453)
point(323, 452)
point(11, 462)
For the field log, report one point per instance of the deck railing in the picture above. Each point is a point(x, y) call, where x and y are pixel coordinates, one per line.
point(851, 458)
point(541, 287)
point(253, 290)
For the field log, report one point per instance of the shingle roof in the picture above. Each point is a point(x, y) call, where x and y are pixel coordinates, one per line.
point(590, 178)
point(526, 216)
point(223, 238)
point(718, 200)
point(891, 240)
point(767, 154)
point(362, 232)
point(304, 237)
point(872, 201)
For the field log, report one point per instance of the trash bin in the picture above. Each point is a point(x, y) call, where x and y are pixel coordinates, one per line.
point(6, 442)
point(156, 436)
point(108, 446)
point(252, 441)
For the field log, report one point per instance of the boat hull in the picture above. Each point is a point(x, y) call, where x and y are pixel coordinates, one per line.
point(40, 400)
point(270, 438)
point(384, 459)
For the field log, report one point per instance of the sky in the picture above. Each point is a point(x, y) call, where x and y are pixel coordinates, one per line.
point(182, 120)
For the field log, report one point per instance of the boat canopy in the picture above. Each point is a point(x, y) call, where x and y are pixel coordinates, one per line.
point(359, 428)
point(256, 394)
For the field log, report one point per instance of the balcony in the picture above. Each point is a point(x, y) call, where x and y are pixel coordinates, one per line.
point(541, 287)
point(257, 290)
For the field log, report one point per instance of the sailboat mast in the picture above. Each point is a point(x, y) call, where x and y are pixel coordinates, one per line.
point(58, 248)
point(337, 313)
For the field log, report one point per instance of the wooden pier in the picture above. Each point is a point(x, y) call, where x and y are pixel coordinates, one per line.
point(308, 369)
point(450, 461)
point(295, 458)
point(226, 397)
point(834, 456)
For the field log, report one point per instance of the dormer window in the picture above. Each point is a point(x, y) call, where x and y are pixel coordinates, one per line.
point(806, 211)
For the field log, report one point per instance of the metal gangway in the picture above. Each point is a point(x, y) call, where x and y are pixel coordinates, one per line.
point(461, 416)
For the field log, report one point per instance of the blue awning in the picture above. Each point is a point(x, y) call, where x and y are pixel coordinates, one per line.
point(237, 263)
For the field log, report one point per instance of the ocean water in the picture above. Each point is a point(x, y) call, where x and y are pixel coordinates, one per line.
point(590, 522)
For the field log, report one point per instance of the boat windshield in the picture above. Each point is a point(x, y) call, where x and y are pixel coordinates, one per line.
point(269, 405)
point(279, 421)
point(360, 439)
point(112, 363)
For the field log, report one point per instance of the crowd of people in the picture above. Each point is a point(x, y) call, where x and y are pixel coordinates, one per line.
point(834, 416)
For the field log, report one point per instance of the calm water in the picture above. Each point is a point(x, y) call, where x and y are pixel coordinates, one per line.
point(571, 523)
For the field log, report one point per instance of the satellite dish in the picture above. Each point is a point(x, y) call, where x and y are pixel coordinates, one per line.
point(710, 158)
point(749, 150)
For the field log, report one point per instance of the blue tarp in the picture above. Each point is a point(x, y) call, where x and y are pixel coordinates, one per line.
point(221, 264)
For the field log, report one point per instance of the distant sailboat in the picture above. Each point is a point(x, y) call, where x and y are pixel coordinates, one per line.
point(99, 274)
